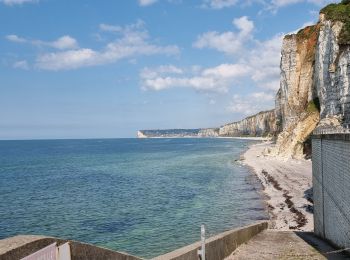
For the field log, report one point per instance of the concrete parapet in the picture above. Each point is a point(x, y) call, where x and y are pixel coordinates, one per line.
point(219, 246)
point(20, 246)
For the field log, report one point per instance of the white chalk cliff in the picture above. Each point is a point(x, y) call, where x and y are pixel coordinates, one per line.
point(314, 86)
point(261, 124)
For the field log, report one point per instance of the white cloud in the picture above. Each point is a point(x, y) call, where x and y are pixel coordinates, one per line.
point(258, 62)
point(264, 59)
point(262, 96)
point(64, 42)
point(198, 83)
point(244, 25)
point(309, 23)
point(251, 103)
point(282, 3)
point(17, 2)
point(272, 5)
point(227, 71)
point(139, 26)
point(134, 41)
point(272, 84)
point(147, 2)
point(219, 4)
point(71, 59)
point(151, 2)
point(22, 64)
point(149, 73)
point(227, 42)
point(215, 79)
point(261, 57)
point(15, 38)
point(110, 28)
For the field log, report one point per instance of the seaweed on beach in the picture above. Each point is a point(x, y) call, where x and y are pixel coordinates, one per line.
point(271, 180)
point(270, 207)
point(299, 216)
point(288, 200)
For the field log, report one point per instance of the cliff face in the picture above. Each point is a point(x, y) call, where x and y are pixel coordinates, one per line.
point(332, 72)
point(315, 79)
point(296, 86)
point(169, 133)
point(296, 93)
point(208, 132)
point(140, 134)
point(261, 124)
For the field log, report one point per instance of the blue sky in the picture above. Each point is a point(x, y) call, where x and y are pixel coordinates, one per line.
point(94, 69)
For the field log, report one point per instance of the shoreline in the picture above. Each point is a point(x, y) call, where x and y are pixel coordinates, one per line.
point(287, 187)
point(209, 137)
point(245, 138)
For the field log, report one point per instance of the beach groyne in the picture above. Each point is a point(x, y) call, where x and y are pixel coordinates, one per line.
point(331, 187)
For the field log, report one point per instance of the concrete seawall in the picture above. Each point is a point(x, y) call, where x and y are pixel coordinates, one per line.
point(219, 246)
point(20, 246)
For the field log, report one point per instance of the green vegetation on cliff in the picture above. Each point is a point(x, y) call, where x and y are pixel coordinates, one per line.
point(340, 12)
point(313, 106)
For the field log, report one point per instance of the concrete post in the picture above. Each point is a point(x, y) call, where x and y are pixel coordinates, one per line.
point(203, 241)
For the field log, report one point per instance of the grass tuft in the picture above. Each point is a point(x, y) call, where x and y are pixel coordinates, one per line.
point(313, 106)
point(340, 12)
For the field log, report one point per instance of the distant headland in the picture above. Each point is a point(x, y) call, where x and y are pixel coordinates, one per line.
point(314, 89)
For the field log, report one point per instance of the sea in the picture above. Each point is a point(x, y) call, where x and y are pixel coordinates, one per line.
point(145, 197)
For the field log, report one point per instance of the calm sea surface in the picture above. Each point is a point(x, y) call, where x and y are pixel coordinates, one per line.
point(142, 196)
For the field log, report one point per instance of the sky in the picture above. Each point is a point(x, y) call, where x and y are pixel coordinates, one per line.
point(105, 69)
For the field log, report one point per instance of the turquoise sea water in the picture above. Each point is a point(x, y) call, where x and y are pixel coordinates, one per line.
point(142, 196)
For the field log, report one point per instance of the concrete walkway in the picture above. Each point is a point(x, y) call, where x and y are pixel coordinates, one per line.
point(272, 244)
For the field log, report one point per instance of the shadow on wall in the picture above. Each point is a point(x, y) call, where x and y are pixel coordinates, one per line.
point(322, 246)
